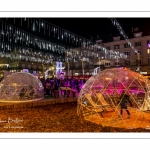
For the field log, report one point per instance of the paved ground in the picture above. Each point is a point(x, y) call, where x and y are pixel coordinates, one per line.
point(138, 119)
point(46, 98)
point(61, 117)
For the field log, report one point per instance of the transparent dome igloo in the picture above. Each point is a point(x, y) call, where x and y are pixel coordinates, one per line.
point(21, 87)
point(116, 97)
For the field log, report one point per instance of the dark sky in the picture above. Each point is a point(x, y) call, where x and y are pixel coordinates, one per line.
point(85, 27)
point(103, 27)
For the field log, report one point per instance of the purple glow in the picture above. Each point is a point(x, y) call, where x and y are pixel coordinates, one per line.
point(148, 44)
point(81, 86)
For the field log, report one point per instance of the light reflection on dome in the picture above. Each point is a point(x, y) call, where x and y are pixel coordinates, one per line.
point(21, 87)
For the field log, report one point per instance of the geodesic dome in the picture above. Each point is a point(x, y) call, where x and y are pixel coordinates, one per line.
point(100, 99)
point(20, 87)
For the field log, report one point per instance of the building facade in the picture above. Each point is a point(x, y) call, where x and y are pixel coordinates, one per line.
point(135, 61)
point(139, 61)
point(19, 49)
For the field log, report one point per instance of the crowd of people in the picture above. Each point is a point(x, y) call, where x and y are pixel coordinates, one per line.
point(53, 84)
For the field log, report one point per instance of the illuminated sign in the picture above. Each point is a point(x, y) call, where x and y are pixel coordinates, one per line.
point(26, 70)
point(59, 67)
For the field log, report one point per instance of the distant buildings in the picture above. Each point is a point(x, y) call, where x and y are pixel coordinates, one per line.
point(19, 50)
point(136, 62)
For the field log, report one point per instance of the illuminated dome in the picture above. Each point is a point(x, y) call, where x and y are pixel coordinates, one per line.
point(20, 87)
point(101, 98)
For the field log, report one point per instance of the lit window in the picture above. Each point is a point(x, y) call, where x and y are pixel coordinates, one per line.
point(148, 43)
point(148, 51)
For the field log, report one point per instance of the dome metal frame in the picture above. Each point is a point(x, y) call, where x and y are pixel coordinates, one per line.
point(101, 96)
point(21, 87)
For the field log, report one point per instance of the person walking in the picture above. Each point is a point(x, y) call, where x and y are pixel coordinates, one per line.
point(124, 100)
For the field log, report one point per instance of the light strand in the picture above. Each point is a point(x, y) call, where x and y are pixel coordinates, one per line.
point(116, 23)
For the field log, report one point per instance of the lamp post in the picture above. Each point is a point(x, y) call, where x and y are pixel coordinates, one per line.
point(32, 68)
point(82, 67)
point(68, 67)
point(117, 62)
point(43, 68)
point(138, 61)
point(99, 64)
point(53, 68)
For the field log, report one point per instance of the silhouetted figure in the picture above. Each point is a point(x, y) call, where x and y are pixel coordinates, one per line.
point(124, 100)
point(54, 88)
point(22, 93)
point(47, 88)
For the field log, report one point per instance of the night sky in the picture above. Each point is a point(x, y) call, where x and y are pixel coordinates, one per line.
point(102, 27)
point(97, 28)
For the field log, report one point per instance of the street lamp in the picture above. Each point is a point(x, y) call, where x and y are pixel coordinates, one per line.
point(117, 61)
point(32, 68)
point(43, 68)
point(82, 67)
point(68, 67)
point(138, 61)
point(53, 69)
point(99, 64)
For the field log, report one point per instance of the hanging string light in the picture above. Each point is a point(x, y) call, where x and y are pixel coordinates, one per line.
point(116, 23)
point(33, 26)
point(28, 22)
point(18, 33)
point(74, 38)
point(55, 29)
point(54, 32)
point(44, 28)
point(58, 33)
point(39, 25)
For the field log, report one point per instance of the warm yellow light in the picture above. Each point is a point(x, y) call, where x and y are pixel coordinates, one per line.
point(148, 51)
point(108, 78)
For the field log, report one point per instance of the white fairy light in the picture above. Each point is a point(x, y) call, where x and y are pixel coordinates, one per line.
point(122, 32)
point(33, 28)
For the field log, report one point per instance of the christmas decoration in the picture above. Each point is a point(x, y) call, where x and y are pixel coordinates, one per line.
point(116, 23)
